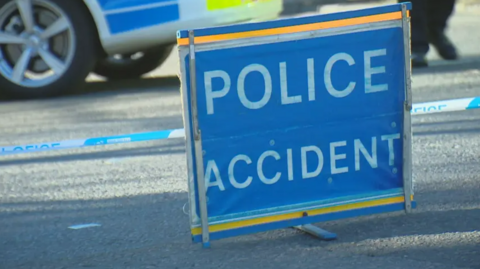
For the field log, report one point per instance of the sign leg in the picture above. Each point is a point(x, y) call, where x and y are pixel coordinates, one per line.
point(198, 146)
point(316, 232)
point(407, 124)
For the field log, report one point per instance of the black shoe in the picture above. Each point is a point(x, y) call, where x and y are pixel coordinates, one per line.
point(419, 60)
point(443, 45)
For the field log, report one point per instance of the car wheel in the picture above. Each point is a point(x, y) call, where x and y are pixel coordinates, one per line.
point(134, 65)
point(46, 47)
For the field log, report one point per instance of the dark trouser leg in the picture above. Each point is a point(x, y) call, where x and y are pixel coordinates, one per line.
point(419, 26)
point(438, 13)
point(419, 32)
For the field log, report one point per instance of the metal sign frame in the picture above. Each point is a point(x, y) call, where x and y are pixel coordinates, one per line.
point(407, 118)
point(193, 135)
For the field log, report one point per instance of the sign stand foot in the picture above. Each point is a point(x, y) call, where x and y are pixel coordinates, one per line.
point(316, 232)
point(206, 245)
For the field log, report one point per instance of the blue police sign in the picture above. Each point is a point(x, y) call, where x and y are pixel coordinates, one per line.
point(297, 121)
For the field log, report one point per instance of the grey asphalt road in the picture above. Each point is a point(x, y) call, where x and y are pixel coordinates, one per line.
point(137, 191)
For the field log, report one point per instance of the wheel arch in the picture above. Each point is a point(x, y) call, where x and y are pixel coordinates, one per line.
point(98, 21)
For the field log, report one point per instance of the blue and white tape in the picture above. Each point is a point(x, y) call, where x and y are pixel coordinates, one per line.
point(446, 106)
point(95, 141)
point(417, 109)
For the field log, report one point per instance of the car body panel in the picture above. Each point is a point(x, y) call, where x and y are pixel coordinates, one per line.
point(131, 25)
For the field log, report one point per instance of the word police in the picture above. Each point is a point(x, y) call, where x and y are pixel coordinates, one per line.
point(368, 70)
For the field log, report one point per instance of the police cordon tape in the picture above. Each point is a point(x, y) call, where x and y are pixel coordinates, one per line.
point(446, 106)
point(417, 109)
point(95, 141)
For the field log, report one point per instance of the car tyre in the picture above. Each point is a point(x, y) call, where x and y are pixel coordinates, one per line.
point(37, 36)
point(129, 67)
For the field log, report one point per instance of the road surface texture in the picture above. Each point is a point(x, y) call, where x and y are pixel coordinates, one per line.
point(137, 191)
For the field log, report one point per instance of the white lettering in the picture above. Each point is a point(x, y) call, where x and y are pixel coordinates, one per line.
point(262, 177)
point(371, 159)
point(212, 166)
point(316, 172)
point(284, 87)
point(119, 140)
point(328, 75)
point(241, 86)
point(231, 175)
point(390, 138)
point(311, 167)
point(334, 157)
point(369, 71)
point(311, 79)
point(209, 93)
point(290, 164)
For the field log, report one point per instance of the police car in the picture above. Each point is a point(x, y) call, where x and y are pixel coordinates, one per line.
point(48, 47)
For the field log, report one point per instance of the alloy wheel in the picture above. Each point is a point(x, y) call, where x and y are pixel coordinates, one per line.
point(37, 42)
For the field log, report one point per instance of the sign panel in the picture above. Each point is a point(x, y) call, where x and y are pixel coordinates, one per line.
point(297, 121)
